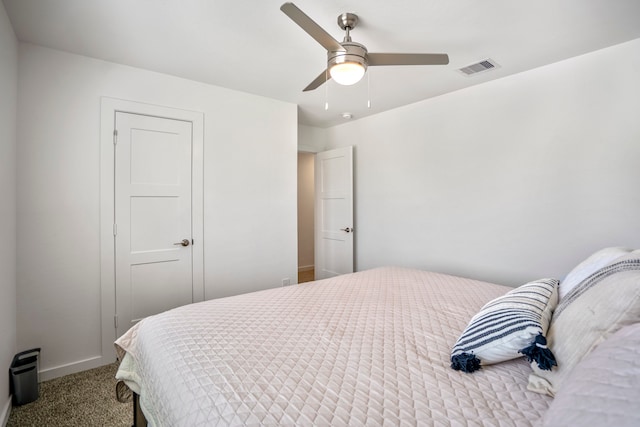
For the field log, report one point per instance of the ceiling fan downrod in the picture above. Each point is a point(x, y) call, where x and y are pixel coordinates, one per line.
point(347, 22)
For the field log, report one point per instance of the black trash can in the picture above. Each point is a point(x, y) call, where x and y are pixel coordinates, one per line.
point(23, 377)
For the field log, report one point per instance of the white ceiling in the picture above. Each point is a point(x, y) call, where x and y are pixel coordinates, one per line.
point(251, 46)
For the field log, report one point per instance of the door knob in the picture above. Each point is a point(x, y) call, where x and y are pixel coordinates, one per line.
point(185, 242)
point(348, 229)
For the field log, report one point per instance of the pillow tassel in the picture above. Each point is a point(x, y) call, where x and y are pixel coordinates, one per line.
point(465, 362)
point(539, 352)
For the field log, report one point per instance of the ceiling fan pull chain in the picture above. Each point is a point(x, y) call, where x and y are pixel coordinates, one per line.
point(369, 89)
point(326, 90)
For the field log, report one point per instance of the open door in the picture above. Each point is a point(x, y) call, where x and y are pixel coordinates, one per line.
point(334, 213)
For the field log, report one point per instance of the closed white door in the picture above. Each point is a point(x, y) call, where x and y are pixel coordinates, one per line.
point(334, 213)
point(153, 236)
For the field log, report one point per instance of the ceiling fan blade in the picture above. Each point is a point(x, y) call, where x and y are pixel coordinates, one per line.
point(407, 58)
point(309, 25)
point(318, 81)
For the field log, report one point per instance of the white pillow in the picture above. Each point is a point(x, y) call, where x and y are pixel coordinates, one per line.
point(508, 327)
point(587, 267)
point(604, 388)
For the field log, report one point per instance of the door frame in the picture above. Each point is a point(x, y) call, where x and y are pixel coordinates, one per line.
point(108, 109)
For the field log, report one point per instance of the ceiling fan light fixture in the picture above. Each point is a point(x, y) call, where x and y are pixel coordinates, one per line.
point(347, 73)
point(348, 65)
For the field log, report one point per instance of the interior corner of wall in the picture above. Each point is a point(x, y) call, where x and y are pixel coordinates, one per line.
point(6, 411)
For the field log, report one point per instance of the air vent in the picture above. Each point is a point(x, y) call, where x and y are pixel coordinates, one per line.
point(479, 67)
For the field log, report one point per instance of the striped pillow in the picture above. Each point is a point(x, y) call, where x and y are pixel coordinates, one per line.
point(596, 308)
point(508, 327)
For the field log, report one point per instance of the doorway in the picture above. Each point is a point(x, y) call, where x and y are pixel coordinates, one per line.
point(111, 109)
point(306, 225)
point(325, 214)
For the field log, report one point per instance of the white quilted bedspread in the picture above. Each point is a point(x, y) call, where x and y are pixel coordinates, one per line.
point(370, 348)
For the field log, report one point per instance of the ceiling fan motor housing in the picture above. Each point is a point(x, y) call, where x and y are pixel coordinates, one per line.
point(353, 52)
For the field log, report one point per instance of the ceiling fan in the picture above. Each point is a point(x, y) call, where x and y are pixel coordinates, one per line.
point(348, 61)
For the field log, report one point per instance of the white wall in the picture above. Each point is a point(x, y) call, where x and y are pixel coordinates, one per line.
point(506, 181)
point(311, 139)
point(250, 192)
point(306, 198)
point(8, 106)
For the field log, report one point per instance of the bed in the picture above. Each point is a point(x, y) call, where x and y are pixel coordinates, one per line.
point(368, 348)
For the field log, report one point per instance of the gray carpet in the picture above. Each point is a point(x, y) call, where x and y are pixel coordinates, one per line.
point(84, 399)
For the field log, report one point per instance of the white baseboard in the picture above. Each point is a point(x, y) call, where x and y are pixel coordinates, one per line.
point(72, 368)
point(6, 411)
point(305, 268)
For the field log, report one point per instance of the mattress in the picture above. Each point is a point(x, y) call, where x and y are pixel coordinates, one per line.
point(369, 348)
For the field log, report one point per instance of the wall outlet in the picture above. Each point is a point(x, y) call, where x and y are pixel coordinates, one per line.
point(286, 282)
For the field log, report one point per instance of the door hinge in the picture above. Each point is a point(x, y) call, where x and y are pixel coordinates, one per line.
point(115, 321)
point(115, 136)
point(115, 229)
